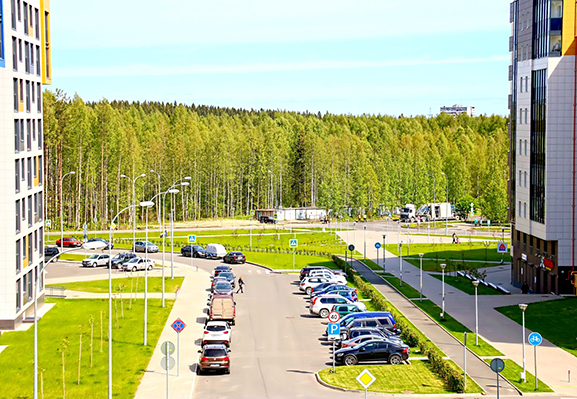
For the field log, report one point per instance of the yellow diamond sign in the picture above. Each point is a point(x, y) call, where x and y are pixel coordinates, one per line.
point(366, 378)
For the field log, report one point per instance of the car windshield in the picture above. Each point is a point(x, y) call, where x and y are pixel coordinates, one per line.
point(135, 260)
point(215, 328)
point(223, 286)
point(226, 274)
point(198, 248)
point(148, 243)
point(215, 353)
point(93, 257)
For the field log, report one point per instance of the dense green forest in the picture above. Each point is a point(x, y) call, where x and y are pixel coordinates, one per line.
point(240, 160)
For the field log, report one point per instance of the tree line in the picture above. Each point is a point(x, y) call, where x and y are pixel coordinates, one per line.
point(239, 160)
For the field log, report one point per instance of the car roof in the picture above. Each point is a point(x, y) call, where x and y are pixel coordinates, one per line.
point(222, 296)
point(216, 323)
point(215, 346)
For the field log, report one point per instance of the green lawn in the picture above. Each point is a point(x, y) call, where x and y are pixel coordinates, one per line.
point(285, 261)
point(128, 283)
point(415, 378)
point(432, 265)
point(458, 252)
point(466, 285)
point(406, 289)
point(512, 372)
point(73, 256)
point(457, 329)
point(554, 320)
point(130, 357)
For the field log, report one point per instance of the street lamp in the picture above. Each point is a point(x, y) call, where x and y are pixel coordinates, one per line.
point(157, 207)
point(146, 204)
point(384, 253)
point(184, 183)
point(446, 213)
point(443, 265)
point(476, 284)
point(273, 196)
point(434, 200)
point(365, 250)
point(523, 307)
point(171, 191)
point(421, 275)
point(61, 213)
point(401, 263)
point(133, 181)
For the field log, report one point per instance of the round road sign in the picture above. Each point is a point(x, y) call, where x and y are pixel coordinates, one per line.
point(535, 339)
point(334, 317)
point(167, 365)
point(497, 365)
point(377, 245)
point(351, 247)
point(167, 346)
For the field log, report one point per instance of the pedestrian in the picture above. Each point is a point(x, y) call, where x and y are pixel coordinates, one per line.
point(525, 288)
point(454, 238)
point(240, 285)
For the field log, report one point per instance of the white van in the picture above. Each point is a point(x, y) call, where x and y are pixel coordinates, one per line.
point(215, 251)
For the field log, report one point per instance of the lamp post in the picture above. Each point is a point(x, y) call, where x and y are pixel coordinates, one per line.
point(365, 243)
point(158, 194)
point(523, 307)
point(446, 213)
point(434, 198)
point(273, 196)
point(476, 284)
point(401, 263)
point(133, 181)
point(146, 204)
point(61, 213)
point(384, 253)
point(354, 236)
point(171, 191)
point(443, 265)
point(421, 275)
point(184, 183)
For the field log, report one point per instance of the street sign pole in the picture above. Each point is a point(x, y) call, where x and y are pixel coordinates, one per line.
point(465, 358)
point(293, 259)
point(535, 356)
point(177, 354)
point(166, 357)
point(334, 356)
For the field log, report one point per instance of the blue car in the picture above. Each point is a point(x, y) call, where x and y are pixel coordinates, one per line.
point(321, 287)
point(337, 289)
point(348, 294)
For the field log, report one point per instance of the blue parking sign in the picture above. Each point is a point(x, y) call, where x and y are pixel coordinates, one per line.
point(334, 329)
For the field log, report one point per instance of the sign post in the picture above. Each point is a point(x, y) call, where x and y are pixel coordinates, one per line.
point(366, 379)
point(167, 362)
point(497, 365)
point(352, 250)
point(293, 244)
point(334, 332)
point(535, 339)
point(178, 325)
point(502, 249)
point(192, 240)
point(377, 246)
point(48, 223)
point(465, 359)
point(250, 228)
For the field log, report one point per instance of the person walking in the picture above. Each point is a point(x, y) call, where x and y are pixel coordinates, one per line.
point(240, 285)
point(525, 288)
point(454, 238)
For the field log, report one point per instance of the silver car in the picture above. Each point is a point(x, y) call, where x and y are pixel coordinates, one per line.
point(140, 246)
point(138, 264)
point(223, 288)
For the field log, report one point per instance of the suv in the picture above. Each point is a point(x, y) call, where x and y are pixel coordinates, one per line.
point(382, 323)
point(266, 219)
point(144, 246)
point(322, 305)
point(217, 332)
point(197, 250)
point(51, 253)
point(344, 310)
point(305, 271)
point(356, 332)
point(214, 357)
point(121, 259)
point(340, 289)
point(69, 242)
point(373, 351)
point(138, 263)
point(96, 260)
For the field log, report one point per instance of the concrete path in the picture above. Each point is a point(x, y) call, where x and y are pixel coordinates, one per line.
point(498, 330)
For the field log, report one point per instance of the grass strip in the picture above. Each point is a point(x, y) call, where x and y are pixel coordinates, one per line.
point(127, 284)
point(61, 327)
point(466, 285)
point(472, 386)
point(463, 252)
point(405, 289)
point(284, 261)
point(512, 372)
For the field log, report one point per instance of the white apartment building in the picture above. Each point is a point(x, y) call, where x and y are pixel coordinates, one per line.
point(458, 110)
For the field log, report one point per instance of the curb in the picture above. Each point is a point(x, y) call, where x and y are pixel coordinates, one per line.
point(263, 267)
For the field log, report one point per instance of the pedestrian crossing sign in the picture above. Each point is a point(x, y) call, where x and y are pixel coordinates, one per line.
point(191, 239)
point(294, 243)
point(48, 222)
point(502, 248)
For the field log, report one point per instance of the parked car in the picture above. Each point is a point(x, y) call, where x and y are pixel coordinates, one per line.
point(96, 260)
point(307, 269)
point(340, 289)
point(375, 351)
point(217, 332)
point(217, 280)
point(199, 252)
point(359, 340)
point(51, 253)
point(69, 242)
point(229, 277)
point(364, 315)
point(321, 305)
point(381, 323)
point(234, 257)
point(320, 287)
point(381, 333)
point(344, 310)
point(141, 246)
point(221, 268)
point(138, 264)
point(121, 259)
point(328, 274)
point(308, 283)
point(222, 307)
point(215, 251)
point(102, 240)
point(266, 219)
point(214, 357)
point(223, 288)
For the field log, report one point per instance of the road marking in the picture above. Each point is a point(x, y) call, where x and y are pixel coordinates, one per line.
point(258, 272)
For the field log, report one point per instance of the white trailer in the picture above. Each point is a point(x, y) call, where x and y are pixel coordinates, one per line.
point(436, 211)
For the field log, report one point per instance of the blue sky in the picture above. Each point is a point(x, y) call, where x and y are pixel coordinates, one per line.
point(377, 57)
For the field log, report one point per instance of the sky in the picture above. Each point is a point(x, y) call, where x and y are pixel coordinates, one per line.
point(344, 57)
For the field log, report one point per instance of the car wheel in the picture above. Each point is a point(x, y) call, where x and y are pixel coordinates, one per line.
point(350, 360)
point(308, 290)
point(94, 264)
point(395, 359)
point(134, 268)
point(149, 267)
point(227, 371)
point(324, 313)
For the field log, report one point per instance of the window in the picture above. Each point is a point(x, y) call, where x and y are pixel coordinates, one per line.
point(18, 296)
point(33, 127)
point(36, 240)
point(520, 147)
point(524, 209)
point(2, 55)
point(17, 216)
point(30, 293)
point(39, 104)
point(14, 54)
point(27, 57)
point(18, 260)
point(30, 214)
point(19, 11)
point(521, 85)
point(17, 175)
point(15, 83)
point(525, 179)
point(27, 96)
point(39, 133)
point(40, 173)
point(520, 175)
point(29, 165)
point(525, 147)
point(519, 234)
point(38, 61)
point(13, 10)
point(519, 208)
point(521, 118)
point(35, 160)
point(20, 50)
point(47, 38)
point(25, 19)
point(526, 112)
point(526, 83)
point(28, 135)
point(32, 63)
point(41, 237)
point(36, 23)
point(16, 136)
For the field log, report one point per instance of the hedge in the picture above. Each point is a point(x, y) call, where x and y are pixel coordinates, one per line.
point(446, 370)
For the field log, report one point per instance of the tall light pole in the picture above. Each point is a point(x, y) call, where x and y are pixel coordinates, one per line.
point(273, 196)
point(421, 276)
point(61, 213)
point(171, 191)
point(523, 307)
point(476, 284)
point(157, 207)
point(447, 213)
point(146, 204)
point(443, 265)
point(384, 253)
point(133, 181)
point(434, 199)
point(365, 250)
point(184, 183)
point(401, 263)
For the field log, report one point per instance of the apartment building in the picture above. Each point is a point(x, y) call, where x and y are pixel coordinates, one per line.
point(24, 68)
point(457, 109)
point(542, 155)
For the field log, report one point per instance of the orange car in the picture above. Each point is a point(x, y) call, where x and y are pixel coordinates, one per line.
point(214, 357)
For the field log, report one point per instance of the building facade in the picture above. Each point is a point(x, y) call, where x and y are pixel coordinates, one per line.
point(25, 65)
point(542, 148)
point(458, 110)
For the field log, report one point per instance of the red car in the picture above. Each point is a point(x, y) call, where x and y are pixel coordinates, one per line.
point(69, 242)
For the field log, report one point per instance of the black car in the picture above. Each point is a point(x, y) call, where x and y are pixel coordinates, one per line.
point(121, 259)
point(102, 240)
point(234, 257)
point(266, 219)
point(50, 252)
point(221, 268)
point(199, 252)
point(374, 351)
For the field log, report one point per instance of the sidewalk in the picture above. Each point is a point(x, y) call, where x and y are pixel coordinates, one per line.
point(498, 330)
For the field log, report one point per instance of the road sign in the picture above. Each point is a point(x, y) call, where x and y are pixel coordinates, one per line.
point(167, 346)
point(334, 317)
point(502, 248)
point(275, 216)
point(294, 243)
point(497, 365)
point(113, 226)
point(377, 245)
point(191, 239)
point(366, 378)
point(535, 339)
point(334, 331)
point(251, 213)
point(488, 222)
point(48, 222)
point(351, 247)
point(84, 226)
point(164, 361)
point(178, 325)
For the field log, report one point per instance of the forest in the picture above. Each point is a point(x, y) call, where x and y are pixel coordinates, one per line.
point(239, 160)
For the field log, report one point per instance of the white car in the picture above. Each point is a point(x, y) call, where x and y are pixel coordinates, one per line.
point(217, 332)
point(329, 275)
point(309, 283)
point(138, 264)
point(322, 304)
